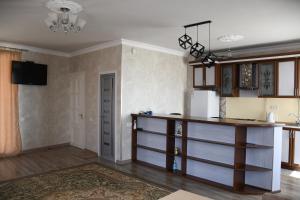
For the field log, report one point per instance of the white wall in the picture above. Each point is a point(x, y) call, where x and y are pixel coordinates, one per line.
point(92, 64)
point(144, 80)
point(150, 80)
point(44, 110)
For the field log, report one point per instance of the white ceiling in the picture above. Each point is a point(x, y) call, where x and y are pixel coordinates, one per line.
point(157, 22)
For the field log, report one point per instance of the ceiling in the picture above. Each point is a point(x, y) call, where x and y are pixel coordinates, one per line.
point(157, 22)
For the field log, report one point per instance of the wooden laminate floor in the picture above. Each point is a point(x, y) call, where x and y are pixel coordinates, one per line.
point(64, 157)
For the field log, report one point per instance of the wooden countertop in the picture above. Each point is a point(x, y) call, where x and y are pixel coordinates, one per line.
point(229, 122)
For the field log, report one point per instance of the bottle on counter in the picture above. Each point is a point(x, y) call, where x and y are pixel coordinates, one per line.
point(174, 166)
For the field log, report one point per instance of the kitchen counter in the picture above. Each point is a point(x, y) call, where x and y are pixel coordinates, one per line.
point(291, 126)
point(226, 121)
point(235, 154)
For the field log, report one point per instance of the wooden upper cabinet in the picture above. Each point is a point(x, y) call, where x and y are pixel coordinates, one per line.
point(198, 73)
point(229, 80)
point(286, 78)
point(266, 81)
point(206, 78)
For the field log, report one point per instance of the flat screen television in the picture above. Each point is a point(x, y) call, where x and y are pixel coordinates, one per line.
point(29, 73)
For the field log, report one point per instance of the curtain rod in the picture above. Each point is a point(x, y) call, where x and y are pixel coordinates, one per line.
point(13, 49)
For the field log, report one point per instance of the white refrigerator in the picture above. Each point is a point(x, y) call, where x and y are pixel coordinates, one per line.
point(205, 103)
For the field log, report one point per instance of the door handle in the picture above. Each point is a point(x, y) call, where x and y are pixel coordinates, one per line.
point(81, 115)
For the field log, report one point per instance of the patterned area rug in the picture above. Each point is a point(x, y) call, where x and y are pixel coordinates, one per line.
point(91, 181)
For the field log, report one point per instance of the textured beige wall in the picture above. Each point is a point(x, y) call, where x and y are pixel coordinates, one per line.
point(256, 108)
point(44, 110)
point(150, 80)
point(144, 80)
point(92, 64)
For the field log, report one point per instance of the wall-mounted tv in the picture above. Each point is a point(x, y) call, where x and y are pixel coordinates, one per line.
point(29, 73)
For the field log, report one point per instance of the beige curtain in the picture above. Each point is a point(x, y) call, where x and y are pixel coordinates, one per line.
point(10, 138)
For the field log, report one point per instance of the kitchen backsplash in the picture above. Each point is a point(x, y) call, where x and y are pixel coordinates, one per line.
point(257, 108)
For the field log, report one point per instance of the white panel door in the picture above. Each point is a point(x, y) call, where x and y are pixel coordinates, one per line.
point(210, 76)
point(78, 137)
point(286, 78)
point(285, 146)
point(297, 148)
point(198, 76)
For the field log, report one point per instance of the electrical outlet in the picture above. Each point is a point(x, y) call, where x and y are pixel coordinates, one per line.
point(273, 107)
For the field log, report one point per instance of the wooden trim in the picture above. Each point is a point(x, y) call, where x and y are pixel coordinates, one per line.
point(228, 122)
point(295, 77)
point(235, 89)
point(184, 147)
point(275, 68)
point(203, 78)
point(218, 77)
point(239, 158)
point(194, 77)
point(134, 124)
point(211, 162)
point(263, 57)
point(170, 144)
point(210, 141)
point(151, 149)
point(292, 148)
point(151, 132)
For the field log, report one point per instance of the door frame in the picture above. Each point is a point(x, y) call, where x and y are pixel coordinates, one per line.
point(99, 112)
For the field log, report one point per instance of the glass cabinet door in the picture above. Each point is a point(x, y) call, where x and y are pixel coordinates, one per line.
point(227, 80)
point(266, 79)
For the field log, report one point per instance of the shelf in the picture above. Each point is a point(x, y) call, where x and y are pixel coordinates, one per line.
point(151, 149)
point(150, 132)
point(176, 136)
point(210, 162)
point(256, 168)
point(251, 145)
point(248, 145)
point(211, 142)
point(247, 167)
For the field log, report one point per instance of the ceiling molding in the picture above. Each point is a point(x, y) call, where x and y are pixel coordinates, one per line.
point(96, 47)
point(34, 49)
point(152, 47)
point(270, 48)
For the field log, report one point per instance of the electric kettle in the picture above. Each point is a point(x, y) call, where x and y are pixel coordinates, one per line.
point(271, 117)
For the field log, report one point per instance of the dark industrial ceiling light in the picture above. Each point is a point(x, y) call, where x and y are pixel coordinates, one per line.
point(185, 41)
point(197, 49)
point(210, 58)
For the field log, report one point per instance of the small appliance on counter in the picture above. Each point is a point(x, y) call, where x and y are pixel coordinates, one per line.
point(271, 117)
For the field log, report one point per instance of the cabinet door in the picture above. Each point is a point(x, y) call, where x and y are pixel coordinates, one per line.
point(210, 76)
point(285, 146)
point(297, 148)
point(267, 79)
point(198, 76)
point(228, 83)
point(286, 78)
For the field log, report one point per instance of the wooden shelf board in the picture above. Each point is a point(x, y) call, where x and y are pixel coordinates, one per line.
point(151, 132)
point(211, 141)
point(251, 145)
point(248, 145)
point(210, 162)
point(151, 149)
point(247, 167)
point(256, 168)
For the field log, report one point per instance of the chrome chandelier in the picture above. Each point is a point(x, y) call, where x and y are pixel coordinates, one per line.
point(64, 16)
point(197, 49)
